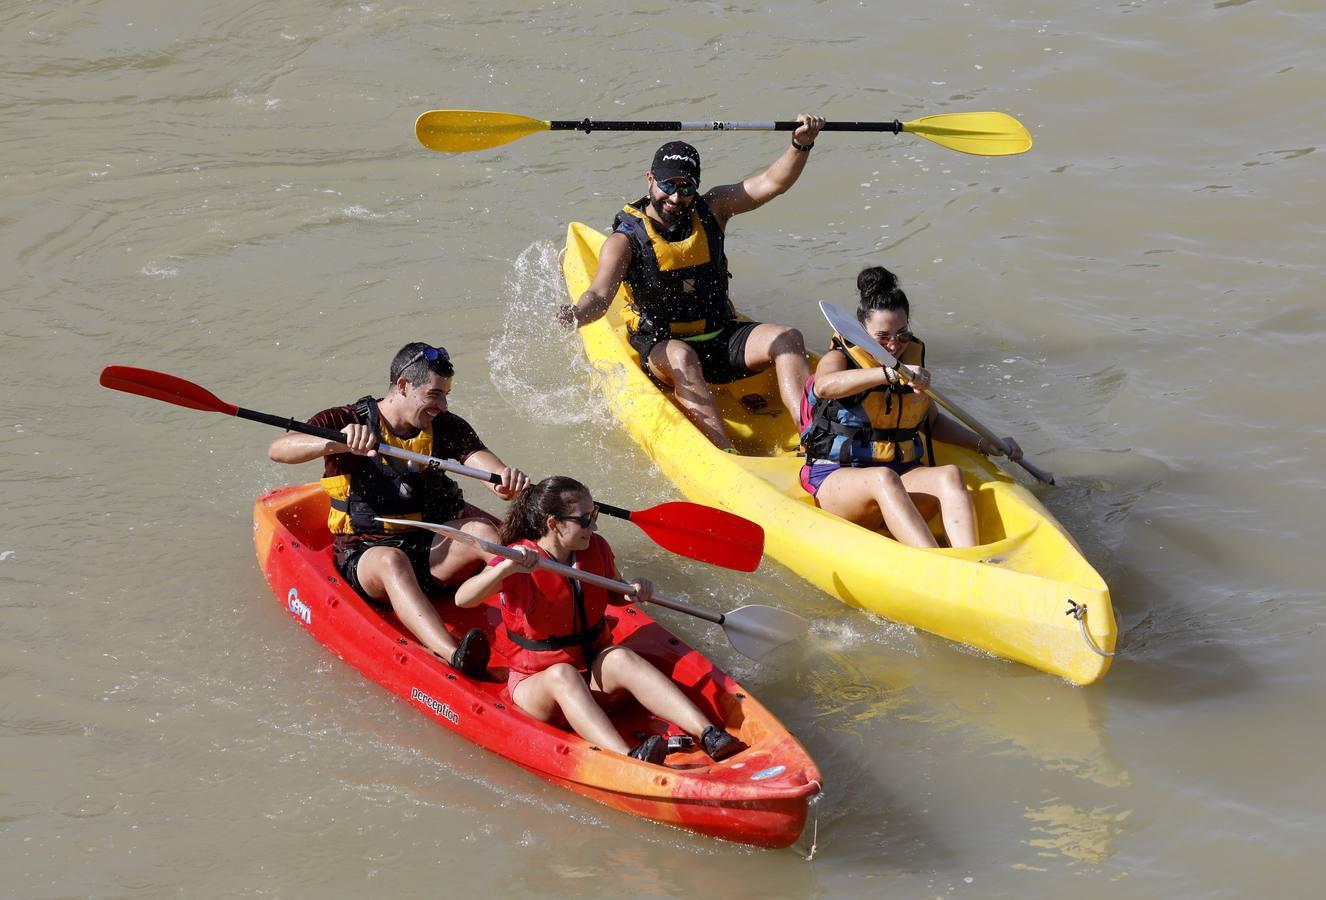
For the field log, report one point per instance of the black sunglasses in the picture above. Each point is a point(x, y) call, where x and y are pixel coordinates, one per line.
point(676, 186)
point(584, 521)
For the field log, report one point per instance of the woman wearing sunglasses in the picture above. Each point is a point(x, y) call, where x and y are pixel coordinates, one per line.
point(861, 429)
point(560, 651)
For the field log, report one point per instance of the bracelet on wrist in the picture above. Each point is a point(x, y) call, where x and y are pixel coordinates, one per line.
point(980, 446)
point(804, 148)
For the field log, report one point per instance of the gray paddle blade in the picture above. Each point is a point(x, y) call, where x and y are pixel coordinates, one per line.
point(846, 324)
point(756, 631)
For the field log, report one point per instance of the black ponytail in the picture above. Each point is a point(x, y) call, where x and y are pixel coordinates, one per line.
point(527, 520)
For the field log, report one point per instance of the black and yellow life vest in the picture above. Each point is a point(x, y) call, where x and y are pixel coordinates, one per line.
point(385, 486)
point(880, 424)
point(678, 288)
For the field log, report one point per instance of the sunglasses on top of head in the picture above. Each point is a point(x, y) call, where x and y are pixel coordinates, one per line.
point(431, 354)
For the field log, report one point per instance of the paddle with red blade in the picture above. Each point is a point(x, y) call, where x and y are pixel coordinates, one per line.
point(688, 529)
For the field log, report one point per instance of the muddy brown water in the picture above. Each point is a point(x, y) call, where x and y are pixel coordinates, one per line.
point(231, 192)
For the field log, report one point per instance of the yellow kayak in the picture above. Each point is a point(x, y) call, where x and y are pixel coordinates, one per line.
point(1020, 595)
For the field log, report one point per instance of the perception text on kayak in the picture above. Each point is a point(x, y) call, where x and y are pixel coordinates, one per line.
point(441, 709)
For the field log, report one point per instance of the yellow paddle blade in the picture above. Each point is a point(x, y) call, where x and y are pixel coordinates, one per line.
point(459, 130)
point(977, 133)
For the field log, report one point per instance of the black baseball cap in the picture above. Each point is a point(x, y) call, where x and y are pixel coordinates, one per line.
point(676, 159)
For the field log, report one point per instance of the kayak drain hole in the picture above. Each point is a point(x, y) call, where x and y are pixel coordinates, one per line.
point(331, 578)
point(333, 601)
point(499, 705)
point(673, 641)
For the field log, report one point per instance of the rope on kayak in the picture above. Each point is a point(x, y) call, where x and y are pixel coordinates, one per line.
point(815, 820)
point(1079, 611)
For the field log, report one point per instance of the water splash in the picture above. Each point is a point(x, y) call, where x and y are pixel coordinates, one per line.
point(537, 366)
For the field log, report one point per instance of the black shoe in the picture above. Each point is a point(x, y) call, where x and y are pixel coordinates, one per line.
point(471, 657)
point(719, 744)
point(652, 749)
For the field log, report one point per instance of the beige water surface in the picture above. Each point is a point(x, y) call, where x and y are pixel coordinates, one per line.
point(231, 192)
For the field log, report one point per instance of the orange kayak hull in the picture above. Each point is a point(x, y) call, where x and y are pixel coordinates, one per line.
point(760, 796)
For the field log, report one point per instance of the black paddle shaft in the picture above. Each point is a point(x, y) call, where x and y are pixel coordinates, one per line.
point(305, 428)
point(328, 434)
point(588, 125)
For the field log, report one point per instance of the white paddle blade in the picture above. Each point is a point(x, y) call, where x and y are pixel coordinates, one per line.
point(846, 324)
point(756, 631)
point(446, 531)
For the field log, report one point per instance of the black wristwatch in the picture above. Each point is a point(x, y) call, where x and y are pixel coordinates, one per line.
point(804, 148)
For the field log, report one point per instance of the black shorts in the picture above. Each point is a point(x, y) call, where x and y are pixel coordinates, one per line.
point(722, 357)
point(416, 543)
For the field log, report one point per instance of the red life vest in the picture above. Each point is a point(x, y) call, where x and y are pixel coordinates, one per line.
point(544, 620)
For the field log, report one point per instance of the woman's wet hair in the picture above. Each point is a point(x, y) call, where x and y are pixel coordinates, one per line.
point(879, 290)
point(527, 519)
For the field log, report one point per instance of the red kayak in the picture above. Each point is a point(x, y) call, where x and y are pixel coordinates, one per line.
point(759, 796)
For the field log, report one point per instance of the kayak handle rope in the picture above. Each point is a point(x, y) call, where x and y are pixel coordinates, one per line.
point(1079, 611)
point(815, 820)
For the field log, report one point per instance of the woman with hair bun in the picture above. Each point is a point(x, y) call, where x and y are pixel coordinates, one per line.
point(555, 638)
point(861, 428)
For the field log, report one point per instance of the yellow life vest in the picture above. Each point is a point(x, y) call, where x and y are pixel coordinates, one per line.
point(385, 486)
point(677, 288)
point(879, 424)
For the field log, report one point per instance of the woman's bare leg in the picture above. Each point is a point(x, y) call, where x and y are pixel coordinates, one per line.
point(562, 687)
point(869, 496)
point(955, 503)
point(622, 669)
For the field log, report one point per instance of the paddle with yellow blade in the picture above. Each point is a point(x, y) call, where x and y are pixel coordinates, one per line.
point(462, 130)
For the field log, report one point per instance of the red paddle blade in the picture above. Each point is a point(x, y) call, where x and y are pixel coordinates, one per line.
point(160, 386)
point(704, 533)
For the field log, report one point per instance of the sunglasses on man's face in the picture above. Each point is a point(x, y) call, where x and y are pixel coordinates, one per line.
point(677, 186)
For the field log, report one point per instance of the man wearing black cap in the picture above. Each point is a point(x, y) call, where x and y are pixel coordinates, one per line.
point(668, 246)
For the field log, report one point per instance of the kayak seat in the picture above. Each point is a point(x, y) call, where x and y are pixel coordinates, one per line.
point(308, 520)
